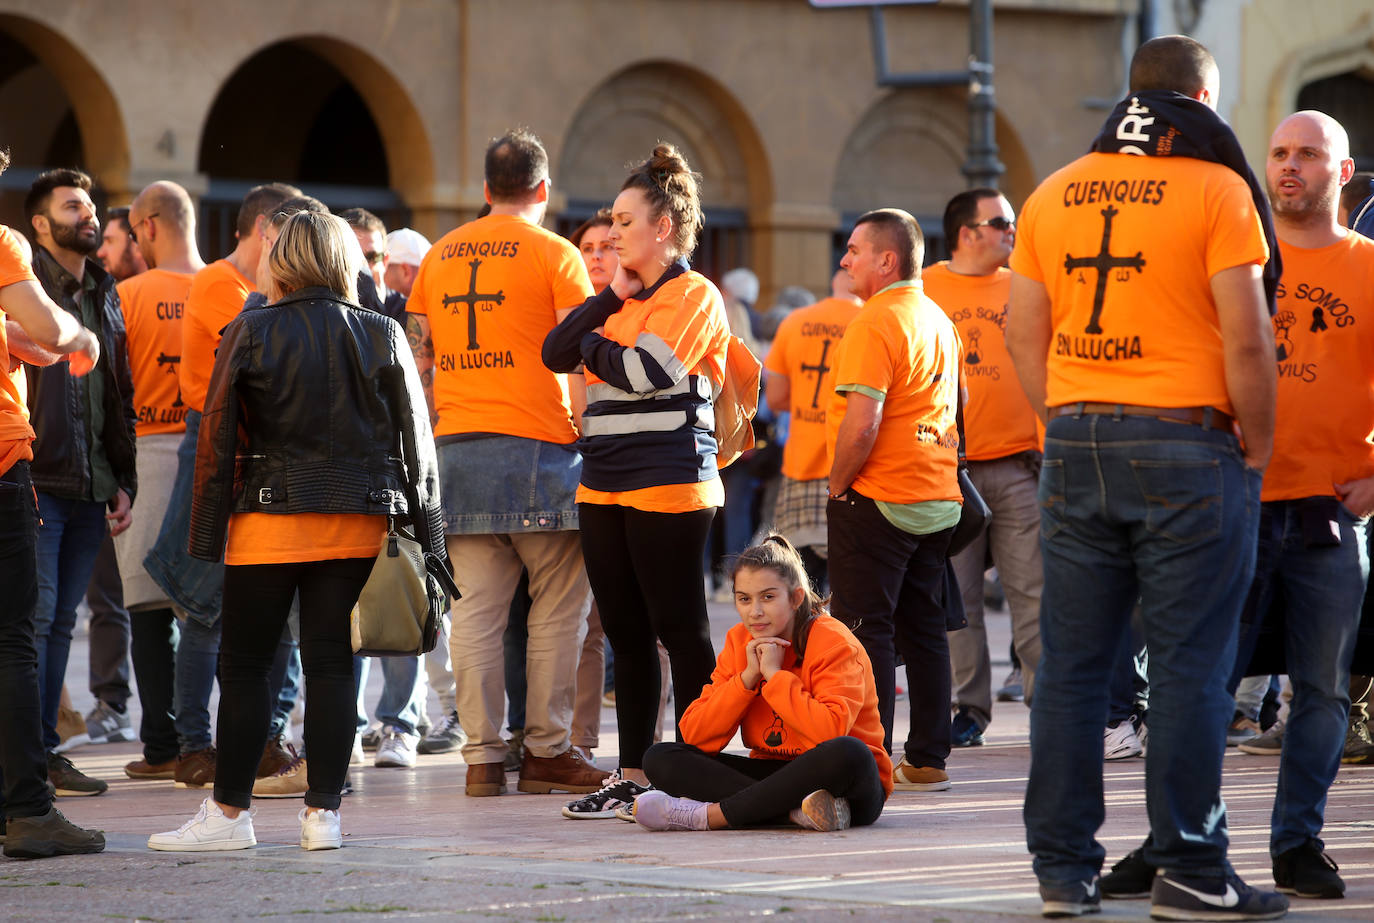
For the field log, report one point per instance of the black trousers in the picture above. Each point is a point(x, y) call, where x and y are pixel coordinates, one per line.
point(23, 761)
point(153, 646)
point(753, 792)
point(257, 600)
point(887, 586)
point(645, 572)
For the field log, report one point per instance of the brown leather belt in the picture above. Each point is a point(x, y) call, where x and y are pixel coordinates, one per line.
point(1206, 417)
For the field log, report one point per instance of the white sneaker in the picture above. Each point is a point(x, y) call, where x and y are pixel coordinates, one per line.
point(1120, 742)
point(209, 830)
point(357, 757)
point(397, 749)
point(320, 830)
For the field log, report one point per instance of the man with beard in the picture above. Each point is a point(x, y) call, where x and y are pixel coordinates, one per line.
point(119, 252)
point(83, 466)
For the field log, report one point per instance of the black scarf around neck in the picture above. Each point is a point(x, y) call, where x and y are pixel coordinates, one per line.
point(1174, 125)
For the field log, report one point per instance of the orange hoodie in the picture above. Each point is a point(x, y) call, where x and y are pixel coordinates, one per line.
point(827, 695)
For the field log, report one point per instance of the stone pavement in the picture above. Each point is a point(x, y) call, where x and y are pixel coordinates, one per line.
point(416, 847)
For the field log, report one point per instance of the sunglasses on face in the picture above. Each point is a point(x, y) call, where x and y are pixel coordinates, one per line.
point(133, 228)
point(997, 224)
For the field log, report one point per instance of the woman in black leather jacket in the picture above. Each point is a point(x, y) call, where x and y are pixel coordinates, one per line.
point(299, 461)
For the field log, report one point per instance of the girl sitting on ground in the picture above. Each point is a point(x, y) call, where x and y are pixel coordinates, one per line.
point(799, 687)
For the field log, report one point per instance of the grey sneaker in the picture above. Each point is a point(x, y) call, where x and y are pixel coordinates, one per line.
point(104, 725)
point(445, 736)
point(1270, 743)
point(48, 835)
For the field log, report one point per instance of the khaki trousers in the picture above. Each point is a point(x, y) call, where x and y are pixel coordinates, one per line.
point(1013, 537)
point(487, 568)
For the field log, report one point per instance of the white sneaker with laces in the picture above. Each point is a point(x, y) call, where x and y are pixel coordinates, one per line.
point(208, 831)
point(320, 829)
point(1120, 742)
point(396, 749)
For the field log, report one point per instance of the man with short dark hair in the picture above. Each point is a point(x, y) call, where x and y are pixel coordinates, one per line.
point(32, 827)
point(371, 234)
point(1002, 446)
point(1139, 330)
point(893, 490)
point(489, 292)
point(118, 252)
point(83, 467)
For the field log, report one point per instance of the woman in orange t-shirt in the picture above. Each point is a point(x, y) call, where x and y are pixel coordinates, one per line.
point(798, 687)
point(653, 345)
point(311, 401)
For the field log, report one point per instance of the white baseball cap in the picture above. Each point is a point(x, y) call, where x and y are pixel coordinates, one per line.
point(407, 246)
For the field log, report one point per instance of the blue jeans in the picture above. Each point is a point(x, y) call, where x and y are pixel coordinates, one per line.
point(196, 586)
point(197, 660)
point(23, 769)
point(401, 698)
point(1322, 591)
point(1134, 507)
point(69, 538)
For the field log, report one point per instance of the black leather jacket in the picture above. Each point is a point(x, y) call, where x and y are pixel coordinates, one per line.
point(312, 405)
point(57, 400)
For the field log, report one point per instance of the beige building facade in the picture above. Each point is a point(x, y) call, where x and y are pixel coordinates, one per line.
point(390, 103)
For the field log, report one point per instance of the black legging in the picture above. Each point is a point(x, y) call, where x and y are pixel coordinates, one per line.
point(645, 572)
point(753, 792)
point(257, 600)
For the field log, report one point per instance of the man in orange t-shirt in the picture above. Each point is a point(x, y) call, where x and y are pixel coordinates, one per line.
point(1002, 445)
point(162, 221)
point(803, 352)
point(894, 493)
point(1318, 491)
point(486, 295)
point(216, 296)
point(1138, 326)
point(34, 828)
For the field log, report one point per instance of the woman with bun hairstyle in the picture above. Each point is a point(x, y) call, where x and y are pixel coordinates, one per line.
point(799, 687)
point(653, 345)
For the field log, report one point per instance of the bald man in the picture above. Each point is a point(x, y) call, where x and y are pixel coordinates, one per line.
point(163, 224)
point(1318, 492)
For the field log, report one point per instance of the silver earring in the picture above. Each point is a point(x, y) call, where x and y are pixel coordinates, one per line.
point(658, 240)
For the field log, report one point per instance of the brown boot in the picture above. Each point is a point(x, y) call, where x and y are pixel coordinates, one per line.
point(486, 779)
point(569, 771)
point(275, 757)
point(195, 769)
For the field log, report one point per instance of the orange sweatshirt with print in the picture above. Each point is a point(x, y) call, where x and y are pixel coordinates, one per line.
point(828, 694)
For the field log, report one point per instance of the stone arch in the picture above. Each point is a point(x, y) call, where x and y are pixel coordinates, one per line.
point(618, 124)
point(1350, 52)
point(907, 151)
point(82, 117)
point(407, 145)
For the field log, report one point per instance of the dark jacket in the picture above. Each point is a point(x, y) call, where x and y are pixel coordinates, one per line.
point(312, 405)
point(57, 400)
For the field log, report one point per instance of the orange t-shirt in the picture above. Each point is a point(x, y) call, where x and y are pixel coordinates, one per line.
point(291, 538)
point(688, 314)
point(1324, 331)
point(153, 304)
point(217, 295)
point(1126, 247)
point(16, 435)
point(492, 289)
point(804, 353)
point(998, 420)
point(901, 344)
